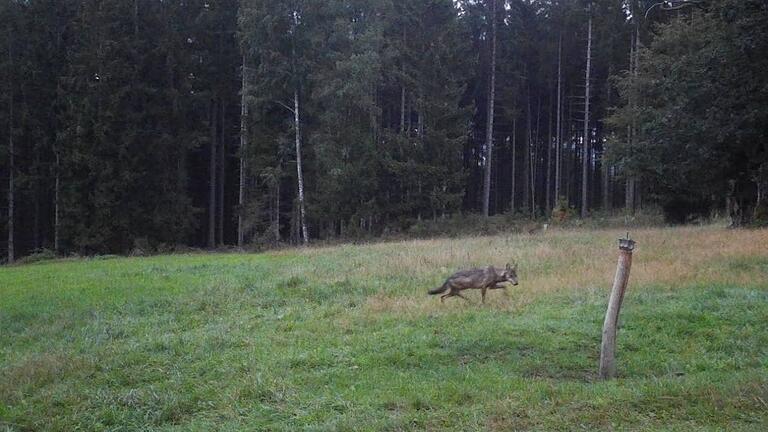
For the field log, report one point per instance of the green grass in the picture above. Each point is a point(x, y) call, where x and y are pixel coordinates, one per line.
point(345, 338)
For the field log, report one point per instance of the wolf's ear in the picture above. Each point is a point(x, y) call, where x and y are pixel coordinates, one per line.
point(509, 266)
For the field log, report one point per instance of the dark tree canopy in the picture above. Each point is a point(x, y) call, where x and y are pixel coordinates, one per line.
point(702, 94)
point(125, 123)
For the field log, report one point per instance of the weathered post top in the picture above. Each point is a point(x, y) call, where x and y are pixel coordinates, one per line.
point(626, 244)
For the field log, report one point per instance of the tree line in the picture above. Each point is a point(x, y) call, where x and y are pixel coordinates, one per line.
point(233, 122)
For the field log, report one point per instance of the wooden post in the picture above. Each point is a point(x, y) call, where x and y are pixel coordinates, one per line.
point(608, 347)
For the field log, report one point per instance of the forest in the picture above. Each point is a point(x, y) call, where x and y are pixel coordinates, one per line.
point(232, 123)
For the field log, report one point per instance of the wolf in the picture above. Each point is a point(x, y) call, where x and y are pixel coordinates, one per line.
point(482, 279)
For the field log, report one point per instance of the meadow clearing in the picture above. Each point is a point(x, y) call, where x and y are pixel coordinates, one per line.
point(346, 338)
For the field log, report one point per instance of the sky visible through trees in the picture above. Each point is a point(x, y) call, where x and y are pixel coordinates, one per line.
point(146, 123)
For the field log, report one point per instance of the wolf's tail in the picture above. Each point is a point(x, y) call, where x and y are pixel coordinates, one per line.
point(439, 289)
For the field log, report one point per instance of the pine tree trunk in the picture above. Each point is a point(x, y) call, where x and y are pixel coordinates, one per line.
point(408, 117)
point(222, 172)
point(56, 201)
point(576, 150)
point(629, 195)
point(536, 161)
point(375, 120)
point(302, 211)
point(402, 110)
point(514, 160)
point(489, 124)
point(529, 199)
point(212, 178)
point(548, 205)
point(420, 121)
point(606, 168)
point(276, 226)
point(570, 155)
point(57, 174)
point(635, 189)
point(559, 143)
point(585, 151)
point(11, 159)
point(526, 155)
point(243, 155)
point(531, 170)
point(136, 18)
point(402, 91)
point(535, 158)
point(36, 216)
point(498, 204)
point(606, 185)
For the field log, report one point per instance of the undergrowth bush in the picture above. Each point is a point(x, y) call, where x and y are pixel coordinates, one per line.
point(38, 255)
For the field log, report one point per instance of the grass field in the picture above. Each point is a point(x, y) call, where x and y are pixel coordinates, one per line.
point(345, 338)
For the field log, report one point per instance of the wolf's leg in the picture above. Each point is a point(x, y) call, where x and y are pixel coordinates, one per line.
point(483, 290)
point(450, 293)
point(459, 294)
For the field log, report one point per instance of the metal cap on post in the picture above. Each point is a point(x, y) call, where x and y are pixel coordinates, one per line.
point(627, 244)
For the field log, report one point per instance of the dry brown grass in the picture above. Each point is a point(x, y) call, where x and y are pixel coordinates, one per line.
point(557, 261)
point(38, 370)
